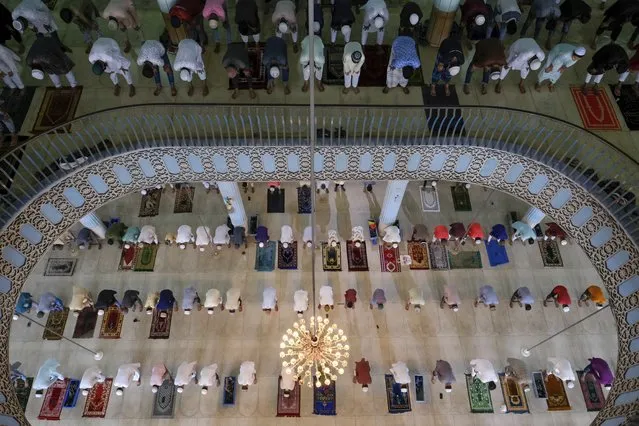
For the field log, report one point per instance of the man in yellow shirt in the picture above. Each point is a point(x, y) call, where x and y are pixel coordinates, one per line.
point(593, 294)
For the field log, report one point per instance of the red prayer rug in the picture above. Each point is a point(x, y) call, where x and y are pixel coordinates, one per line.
point(127, 259)
point(161, 327)
point(591, 389)
point(111, 323)
point(98, 399)
point(357, 260)
point(596, 111)
point(53, 401)
point(389, 258)
point(288, 407)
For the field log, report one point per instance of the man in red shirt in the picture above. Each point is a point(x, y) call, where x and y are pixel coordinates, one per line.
point(441, 233)
point(363, 374)
point(560, 296)
point(476, 232)
point(350, 297)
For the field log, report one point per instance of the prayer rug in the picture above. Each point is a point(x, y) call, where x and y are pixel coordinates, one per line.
point(438, 256)
point(228, 397)
point(59, 267)
point(287, 257)
point(430, 199)
point(496, 253)
point(58, 107)
point(288, 407)
point(538, 385)
point(332, 257)
point(304, 204)
point(389, 258)
point(514, 396)
point(23, 391)
point(591, 389)
point(275, 201)
point(596, 111)
point(85, 324)
point(461, 198)
point(98, 399)
point(550, 254)
point(127, 258)
point(184, 199)
point(150, 203)
point(324, 400)
point(255, 54)
point(418, 253)
point(164, 401)
point(398, 402)
point(465, 260)
point(53, 400)
point(16, 104)
point(356, 256)
point(161, 327)
point(557, 399)
point(420, 396)
point(55, 325)
point(111, 323)
point(73, 391)
point(444, 116)
point(478, 395)
point(265, 257)
point(628, 104)
point(145, 258)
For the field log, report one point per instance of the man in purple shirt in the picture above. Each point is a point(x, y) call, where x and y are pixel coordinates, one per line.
point(378, 299)
point(600, 369)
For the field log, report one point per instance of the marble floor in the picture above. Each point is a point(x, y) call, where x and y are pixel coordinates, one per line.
point(383, 337)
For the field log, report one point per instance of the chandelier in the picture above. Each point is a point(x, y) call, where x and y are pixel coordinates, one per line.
point(320, 347)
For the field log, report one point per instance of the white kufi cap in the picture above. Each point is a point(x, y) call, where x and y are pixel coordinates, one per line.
point(480, 20)
point(282, 27)
point(379, 22)
point(414, 19)
point(37, 74)
point(185, 74)
point(213, 23)
point(495, 75)
point(453, 71)
point(535, 64)
point(274, 72)
point(580, 51)
point(316, 27)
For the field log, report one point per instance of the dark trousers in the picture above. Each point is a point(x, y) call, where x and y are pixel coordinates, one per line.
point(469, 75)
point(236, 80)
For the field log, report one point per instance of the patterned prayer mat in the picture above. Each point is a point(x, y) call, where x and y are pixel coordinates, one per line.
point(420, 395)
point(265, 257)
point(430, 199)
point(389, 258)
point(164, 401)
point(150, 203)
point(550, 254)
point(127, 258)
point(111, 323)
point(596, 111)
point(418, 253)
point(478, 395)
point(56, 323)
point(145, 258)
point(228, 396)
point(98, 399)
point(184, 199)
point(444, 116)
point(514, 396)
point(356, 256)
point(591, 389)
point(324, 400)
point(23, 390)
point(438, 256)
point(85, 324)
point(161, 327)
point(255, 53)
point(287, 257)
point(60, 267)
point(73, 391)
point(53, 400)
point(304, 204)
point(275, 201)
point(465, 260)
point(332, 257)
point(398, 402)
point(557, 399)
point(628, 104)
point(538, 385)
point(461, 198)
point(288, 407)
point(496, 253)
point(58, 107)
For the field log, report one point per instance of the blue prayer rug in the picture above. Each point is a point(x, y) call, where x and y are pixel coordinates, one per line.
point(398, 401)
point(324, 400)
point(265, 257)
point(73, 391)
point(228, 396)
point(420, 396)
point(496, 253)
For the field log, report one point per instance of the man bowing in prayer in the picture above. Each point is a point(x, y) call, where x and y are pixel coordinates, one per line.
point(561, 368)
point(402, 63)
point(450, 58)
point(559, 59)
point(516, 369)
point(300, 302)
point(401, 375)
point(127, 374)
point(363, 374)
point(602, 372)
point(285, 21)
point(236, 63)
point(611, 56)
point(186, 373)
point(247, 376)
point(287, 382)
point(275, 62)
point(152, 56)
point(188, 61)
point(318, 58)
point(375, 18)
point(208, 377)
point(269, 300)
point(159, 373)
point(105, 56)
point(490, 57)
point(444, 373)
point(523, 55)
point(213, 300)
point(46, 57)
point(485, 372)
point(233, 300)
point(353, 60)
point(121, 15)
point(47, 375)
point(91, 376)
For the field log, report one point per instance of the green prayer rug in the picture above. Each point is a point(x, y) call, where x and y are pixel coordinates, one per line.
point(265, 257)
point(465, 260)
point(145, 258)
point(478, 396)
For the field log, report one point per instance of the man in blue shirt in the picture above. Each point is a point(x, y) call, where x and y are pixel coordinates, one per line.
point(498, 233)
point(523, 297)
point(275, 61)
point(48, 303)
point(402, 63)
point(166, 302)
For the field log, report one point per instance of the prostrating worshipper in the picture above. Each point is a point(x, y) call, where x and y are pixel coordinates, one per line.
point(476, 232)
point(559, 59)
point(561, 368)
point(285, 21)
point(378, 299)
point(166, 302)
point(326, 298)
point(81, 299)
point(269, 300)
point(152, 57)
point(239, 237)
point(147, 235)
point(516, 369)
point(159, 373)
point(46, 56)
point(36, 15)
point(362, 374)
point(554, 231)
point(169, 239)
point(248, 20)
point(401, 375)
point(208, 377)
point(275, 61)
point(441, 234)
point(498, 232)
point(48, 302)
point(415, 299)
point(523, 297)
point(523, 232)
point(570, 11)
point(7, 32)
point(300, 302)
point(322, 185)
point(121, 15)
point(350, 297)
point(444, 373)
point(216, 12)
point(127, 374)
point(83, 14)
point(523, 55)
point(47, 375)
point(131, 236)
point(487, 297)
point(615, 17)
point(131, 300)
point(420, 233)
point(305, 61)
point(106, 299)
point(202, 237)
point(353, 61)
point(490, 57)
point(450, 298)
point(450, 58)
point(261, 236)
point(477, 18)
point(507, 16)
point(560, 296)
point(25, 302)
point(403, 62)
point(307, 237)
point(105, 56)
point(188, 14)
point(333, 238)
point(611, 56)
point(600, 369)
point(409, 18)
point(222, 237)
point(188, 61)
point(190, 300)
point(236, 63)
point(540, 11)
point(248, 375)
point(186, 373)
point(286, 237)
point(485, 372)
point(342, 20)
point(458, 232)
point(115, 233)
point(357, 236)
point(392, 236)
point(9, 68)
point(287, 383)
point(86, 238)
point(375, 18)
point(233, 300)
point(213, 300)
point(151, 302)
point(91, 377)
point(594, 294)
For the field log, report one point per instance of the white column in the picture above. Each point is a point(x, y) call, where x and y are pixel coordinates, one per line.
point(231, 191)
point(93, 222)
point(533, 216)
point(392, 202)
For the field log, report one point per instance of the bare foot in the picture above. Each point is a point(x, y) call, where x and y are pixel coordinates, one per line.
point(235, 94)
point(157, 91)
point(498, 88)
point(538, 87)
point(466, 89)
point(385, 90)
point(345, 90)
point(433, 90)
point(305, 87)
point(522, 88)
point(320, 86)
point(116, 90)
point(551, 87)
point(287, 90)
point(252, 94)
point(406, 90)
point(484, 89)
point(173, 91)
point(269, 90)
point(356, 90)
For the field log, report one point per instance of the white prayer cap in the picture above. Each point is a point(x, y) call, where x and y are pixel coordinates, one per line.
point(379, 22)
point(564, 242)
point(210, 311)
point(15, 317)
point(76, 314)
point(316, 27)
point(201, 248)
point(455, 309)
point(480, 20)
point(495, 75)
point(37, 395)
point(346, 29)
point(182, 246)
point(213, 23)
point(282, 27)
point(100, 312)
point(300, 315)
point(364, 388)
point(454, 71)
point(204, 391)
point(535, 64)
point(566, 308)
point(143, 192)
point(187, 312)
point(180, 389)
point(113, 24)
point(85, 392)
point(414, 19)
point(37, 74)
point(570, 384)
point(580, 51)
point(119, 392)
point(449, 390)
point(154, 389)
point(404, 390)
point(275, 73)
point(127, 246)
point(185, 74)
point(18, 25)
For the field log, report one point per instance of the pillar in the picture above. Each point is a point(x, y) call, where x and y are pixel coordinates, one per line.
point(93, 222)
point(395, 190)
point(176, 35)
point(442, 17)
point(533, 216)
point(230, 191)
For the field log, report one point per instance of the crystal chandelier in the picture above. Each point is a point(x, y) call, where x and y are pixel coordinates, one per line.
point(320, 347)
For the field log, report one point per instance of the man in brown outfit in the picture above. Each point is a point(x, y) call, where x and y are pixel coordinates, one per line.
point(490, 56)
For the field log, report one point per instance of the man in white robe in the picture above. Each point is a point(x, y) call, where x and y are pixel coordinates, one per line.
point(375, 18)
point(208, 377)
point(127, 374)
point(47, 375)
point(415, 299)
point(561, 368)
point(213, 300)
point(9, 69)
point(222, 237)
point(269, 300)
point(148, 235)
point(233, 300)
point(485, 372)
point(401, 375)
point(523, 55)
point(559, 59)
point(151, 302)
point(159, 373)
point(91, 376)
point(326, 298)
point(247, 376)
point(353, 62)
point(105, 56)
point(188, 61)
point(300, 302)
point(202, 237)
point(287, 383)
point(318, 57)
point(81, 299)
point(285, 21)
point(287, 236)
point(186, 373)
point(191, 299)
point(184, 236)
